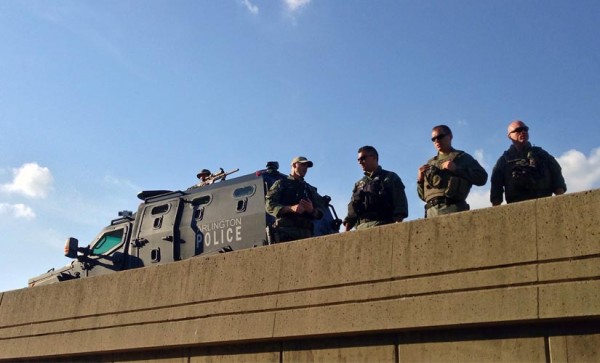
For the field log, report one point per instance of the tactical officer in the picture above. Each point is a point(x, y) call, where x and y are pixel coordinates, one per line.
point(525, 172)
point(203, 175)
point(445, 181)
point(294, 203)
point(378, 198)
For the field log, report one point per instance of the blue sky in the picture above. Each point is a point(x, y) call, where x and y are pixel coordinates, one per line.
point(102, 99)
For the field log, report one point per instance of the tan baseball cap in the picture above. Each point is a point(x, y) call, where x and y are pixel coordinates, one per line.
point(302, 160)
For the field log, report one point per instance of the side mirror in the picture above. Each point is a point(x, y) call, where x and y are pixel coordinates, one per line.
point(71, 247)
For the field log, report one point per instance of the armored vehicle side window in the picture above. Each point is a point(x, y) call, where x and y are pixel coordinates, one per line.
point(160, 209)
point(108, 242)
point(203, 200)
point(199, 204)
point(241, 205)
point(246, 191)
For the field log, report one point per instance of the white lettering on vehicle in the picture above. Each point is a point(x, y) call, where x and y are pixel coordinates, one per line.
point(222, 232)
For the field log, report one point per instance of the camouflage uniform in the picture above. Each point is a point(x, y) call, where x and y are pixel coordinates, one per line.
point(445, 192)
point(529, 174)
point(378, 198)
point(288, 192)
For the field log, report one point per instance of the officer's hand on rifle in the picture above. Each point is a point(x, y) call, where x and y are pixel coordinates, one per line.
point(297, 208)
point(307, 206)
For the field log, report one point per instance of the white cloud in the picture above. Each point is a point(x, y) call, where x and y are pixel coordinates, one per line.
point(293, 5)
point(31, 180)
point(251, 7)
point(581, 172)
point(479, 155)
point(121, 183)
point(479, 199)
point(17, 210)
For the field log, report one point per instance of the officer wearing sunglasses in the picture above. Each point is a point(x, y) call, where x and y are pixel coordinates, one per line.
point(444, 182)
point(524, 171)
point(378, 198)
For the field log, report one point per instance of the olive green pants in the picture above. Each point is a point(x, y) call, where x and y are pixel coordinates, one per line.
point(370, 224)
point(444, 208)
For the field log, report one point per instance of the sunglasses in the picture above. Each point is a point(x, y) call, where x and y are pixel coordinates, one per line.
point(520, 129)
point(438, 137)
point(363, 158)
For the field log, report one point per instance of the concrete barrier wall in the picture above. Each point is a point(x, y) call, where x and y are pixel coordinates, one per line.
point(510, 283)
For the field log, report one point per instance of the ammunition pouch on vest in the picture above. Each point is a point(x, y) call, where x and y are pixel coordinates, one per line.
point(523, 177)
point(292, 192)
point(530, 173)
point(442, 183)
point(371, 200)
point(458, 188)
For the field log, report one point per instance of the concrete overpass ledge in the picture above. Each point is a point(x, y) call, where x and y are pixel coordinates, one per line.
point(510, 283)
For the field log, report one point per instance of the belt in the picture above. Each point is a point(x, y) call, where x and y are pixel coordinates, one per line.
point(436, 201)
point(383, 221)
point(294, 222)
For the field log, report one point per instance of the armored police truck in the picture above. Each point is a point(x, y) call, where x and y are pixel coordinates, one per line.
point(221, 216)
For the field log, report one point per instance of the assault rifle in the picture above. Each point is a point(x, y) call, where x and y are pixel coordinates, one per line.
point(220, 175)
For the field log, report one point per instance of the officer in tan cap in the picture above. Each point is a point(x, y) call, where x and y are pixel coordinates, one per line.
point(294, 203)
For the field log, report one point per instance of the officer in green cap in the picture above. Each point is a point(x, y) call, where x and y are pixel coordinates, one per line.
point(378, 197)
point(525, 172)
point(294, 203)
point(445, 181)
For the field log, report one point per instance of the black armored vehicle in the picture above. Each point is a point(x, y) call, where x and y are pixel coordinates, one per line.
point(219, 216)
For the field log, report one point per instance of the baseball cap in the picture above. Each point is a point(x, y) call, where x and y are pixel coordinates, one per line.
point(203, 172)
point(302, 160)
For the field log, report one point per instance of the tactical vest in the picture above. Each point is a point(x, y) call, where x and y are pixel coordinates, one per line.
point(442, 183)
point(529, 174)
point(292, 191)
point(371, 200)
